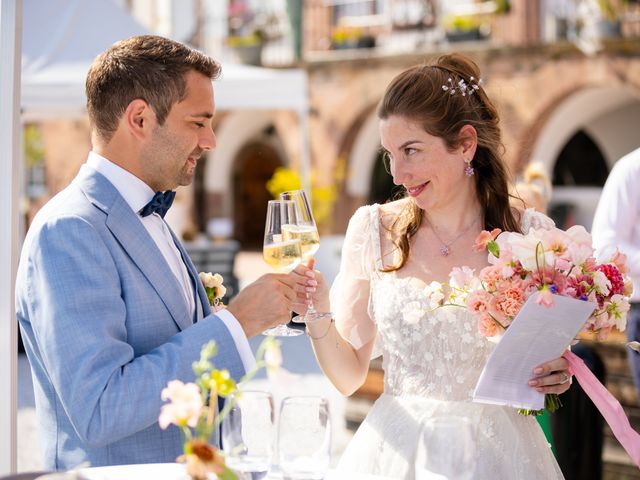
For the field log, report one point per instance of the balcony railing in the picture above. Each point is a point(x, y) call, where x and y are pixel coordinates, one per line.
point(404, 25)
point(401, 26)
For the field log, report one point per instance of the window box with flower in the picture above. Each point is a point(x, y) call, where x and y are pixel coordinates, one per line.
point(249, 30)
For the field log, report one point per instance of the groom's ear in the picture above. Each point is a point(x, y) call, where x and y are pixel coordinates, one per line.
point(139, 118)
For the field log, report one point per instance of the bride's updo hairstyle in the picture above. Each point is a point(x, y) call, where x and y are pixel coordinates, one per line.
point(422, 94)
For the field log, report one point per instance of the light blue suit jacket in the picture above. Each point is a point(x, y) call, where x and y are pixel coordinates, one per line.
point(105, 327)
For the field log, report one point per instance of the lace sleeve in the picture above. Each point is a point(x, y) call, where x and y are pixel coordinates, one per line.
point(533, 219)
point(351, 288)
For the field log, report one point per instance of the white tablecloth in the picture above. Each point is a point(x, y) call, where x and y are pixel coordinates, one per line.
point(174, 471)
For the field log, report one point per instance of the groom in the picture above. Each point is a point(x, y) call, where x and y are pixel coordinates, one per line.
point(109, 304)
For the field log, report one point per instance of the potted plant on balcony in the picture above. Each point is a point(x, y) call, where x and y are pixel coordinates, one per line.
point(249, 30)
point(464, 28)
point(609, 23)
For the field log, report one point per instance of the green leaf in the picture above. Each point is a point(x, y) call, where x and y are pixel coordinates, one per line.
point(227, 474)
point(494, 248)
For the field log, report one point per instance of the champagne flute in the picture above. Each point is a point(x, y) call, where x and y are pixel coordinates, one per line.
point(248, 434)
point(282, 254)
point(304, 438)
point(446, 449)
point(304, 228)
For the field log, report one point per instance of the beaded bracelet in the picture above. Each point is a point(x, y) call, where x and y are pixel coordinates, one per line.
point(321, 336)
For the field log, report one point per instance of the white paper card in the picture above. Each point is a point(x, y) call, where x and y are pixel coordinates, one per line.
point(536, 335)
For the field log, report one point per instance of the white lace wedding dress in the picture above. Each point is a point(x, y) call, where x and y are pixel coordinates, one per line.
point(431, 368)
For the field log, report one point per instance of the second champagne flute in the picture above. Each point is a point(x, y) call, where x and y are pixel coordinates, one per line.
point(304, 228)
point(282, 254)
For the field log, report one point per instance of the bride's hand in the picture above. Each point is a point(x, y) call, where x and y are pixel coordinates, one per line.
point(551, 377)
point(310, 285)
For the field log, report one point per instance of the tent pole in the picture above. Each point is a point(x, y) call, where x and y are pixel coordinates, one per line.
point(10, 55)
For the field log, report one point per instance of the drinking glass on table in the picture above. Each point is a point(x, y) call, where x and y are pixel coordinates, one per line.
point(446, 449)
point(248, 433)
point(304, 438)
point(282, 254)
point(304, 228)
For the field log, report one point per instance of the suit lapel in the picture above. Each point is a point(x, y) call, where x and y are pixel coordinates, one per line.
point(137, 243)
point(201, 300)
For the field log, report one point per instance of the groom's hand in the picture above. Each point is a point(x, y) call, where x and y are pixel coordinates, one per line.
point(264, 303)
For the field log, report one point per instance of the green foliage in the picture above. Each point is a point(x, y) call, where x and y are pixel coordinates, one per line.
point(33, 146)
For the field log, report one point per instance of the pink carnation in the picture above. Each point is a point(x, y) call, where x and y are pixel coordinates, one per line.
point(487, 326)
point(491, 277)
point(478, 301)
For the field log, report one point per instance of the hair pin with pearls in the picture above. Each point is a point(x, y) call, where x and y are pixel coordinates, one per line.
point(462, 87)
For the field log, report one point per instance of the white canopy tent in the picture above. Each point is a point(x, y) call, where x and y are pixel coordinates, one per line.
point(60, 39)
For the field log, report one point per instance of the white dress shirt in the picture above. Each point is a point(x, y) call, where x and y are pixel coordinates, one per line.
point(616, 223)
point(137, 194)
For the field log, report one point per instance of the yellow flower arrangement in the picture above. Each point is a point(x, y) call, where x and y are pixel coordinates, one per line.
point(322, 197)
point(193, 406)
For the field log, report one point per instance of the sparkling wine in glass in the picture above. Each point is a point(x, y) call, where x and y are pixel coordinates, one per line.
point(304, 229)
point(446, 449)
point(248, 434)
point(304, 438)
point(280, 253)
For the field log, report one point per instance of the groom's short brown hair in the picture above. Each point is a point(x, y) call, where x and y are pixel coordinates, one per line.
point(147, 67)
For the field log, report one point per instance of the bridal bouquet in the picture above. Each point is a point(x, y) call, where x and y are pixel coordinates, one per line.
point(551, 262)
point(193, 406)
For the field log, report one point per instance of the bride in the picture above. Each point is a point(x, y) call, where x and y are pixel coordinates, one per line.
point(441, 136)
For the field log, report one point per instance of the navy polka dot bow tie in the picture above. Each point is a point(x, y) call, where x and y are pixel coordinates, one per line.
point(160, 203)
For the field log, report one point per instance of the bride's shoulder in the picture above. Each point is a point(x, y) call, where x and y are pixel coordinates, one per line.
point(390, 212)
point(531, 218)
point(383, 214)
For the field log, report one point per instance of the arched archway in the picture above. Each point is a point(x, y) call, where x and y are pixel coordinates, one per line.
point(362, 155)
point(214, 186)
point(580, 163)
point(382, 189)
point(253, 167)
point(579, 138)
point(609, 115)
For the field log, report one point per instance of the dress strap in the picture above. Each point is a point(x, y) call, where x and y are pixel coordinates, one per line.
point(374, 213)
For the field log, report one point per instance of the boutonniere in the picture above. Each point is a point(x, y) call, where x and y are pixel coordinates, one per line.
point(214, 288)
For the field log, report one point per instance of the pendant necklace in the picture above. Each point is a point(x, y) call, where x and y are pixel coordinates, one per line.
point(445, 249)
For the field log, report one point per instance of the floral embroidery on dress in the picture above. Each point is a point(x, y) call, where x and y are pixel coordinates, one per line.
point(432, 360)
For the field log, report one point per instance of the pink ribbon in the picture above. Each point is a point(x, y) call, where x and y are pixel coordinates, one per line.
point(608, 406)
